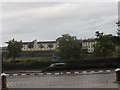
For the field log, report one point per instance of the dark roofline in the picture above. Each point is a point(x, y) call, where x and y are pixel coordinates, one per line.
point(88, 40)
point(40, 42)
point(47, 42)
point(26, 42)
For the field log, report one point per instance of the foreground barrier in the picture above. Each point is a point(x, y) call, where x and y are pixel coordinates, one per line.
point(117, 74)
point(3, 81)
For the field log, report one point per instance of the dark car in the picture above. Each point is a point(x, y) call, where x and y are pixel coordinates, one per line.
point(57, 65)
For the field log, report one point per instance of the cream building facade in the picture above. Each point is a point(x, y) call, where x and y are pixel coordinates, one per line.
point(87, 44)
point(39, 46)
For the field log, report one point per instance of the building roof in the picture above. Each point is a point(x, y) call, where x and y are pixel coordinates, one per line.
point(41, 42)
point(46, 42)
point(88, 40)
point(4, 49)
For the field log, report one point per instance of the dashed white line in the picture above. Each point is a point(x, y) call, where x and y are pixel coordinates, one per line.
point(40, 73)
point(23, 74)
point(61, 73)
point(76, 72)
point(15, 74)
point(92, 71)
point(56, 73)
point(32, 74)
point(7, 74)
point(68, 72)
point(48, 73)
point(84, 71)
point(108, 70)
point(100, 71)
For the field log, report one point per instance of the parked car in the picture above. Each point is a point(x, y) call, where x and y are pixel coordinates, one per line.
point(57, 65)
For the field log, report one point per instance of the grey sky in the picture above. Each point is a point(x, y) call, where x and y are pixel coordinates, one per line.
point(47, 21)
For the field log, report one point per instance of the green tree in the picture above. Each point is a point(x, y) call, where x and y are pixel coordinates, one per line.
point(14, 48)
point(118, 33)
point(69, 47)
point(104, 45)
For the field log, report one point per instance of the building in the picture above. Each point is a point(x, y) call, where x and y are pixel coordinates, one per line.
point(88, 45)
point(46, 48)
point(34, 48)
point(39, 46)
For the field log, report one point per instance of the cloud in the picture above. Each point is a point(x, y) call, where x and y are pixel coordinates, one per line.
point(47, 21)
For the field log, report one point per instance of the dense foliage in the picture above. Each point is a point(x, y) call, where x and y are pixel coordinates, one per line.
point(104, 45)
point(14, 48)
point(69, 47)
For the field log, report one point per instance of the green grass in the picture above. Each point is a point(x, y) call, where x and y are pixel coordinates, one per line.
point(26, 59)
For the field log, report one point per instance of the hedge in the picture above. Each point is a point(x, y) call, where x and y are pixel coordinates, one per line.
point(70, 65)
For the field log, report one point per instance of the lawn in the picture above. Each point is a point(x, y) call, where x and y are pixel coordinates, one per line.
point(26, 59)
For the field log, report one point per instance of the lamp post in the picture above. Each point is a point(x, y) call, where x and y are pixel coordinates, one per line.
point(0, 67)
point(0, 60)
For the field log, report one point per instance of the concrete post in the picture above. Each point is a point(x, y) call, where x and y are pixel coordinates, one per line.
point(117, 74)
point(3, 78)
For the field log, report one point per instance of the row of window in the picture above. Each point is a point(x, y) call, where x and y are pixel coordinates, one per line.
point(88, 43)
point(36, 47)
point(87, 47)
point(90, 50)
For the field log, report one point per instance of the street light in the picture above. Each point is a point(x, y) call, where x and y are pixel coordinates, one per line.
point(0, 67)
point(1, 60)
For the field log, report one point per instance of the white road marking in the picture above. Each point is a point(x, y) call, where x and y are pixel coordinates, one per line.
point(56, 73)
point(76, 72)
point(84, 71)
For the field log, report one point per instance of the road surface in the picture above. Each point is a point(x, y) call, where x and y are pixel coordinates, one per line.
point(95, 80)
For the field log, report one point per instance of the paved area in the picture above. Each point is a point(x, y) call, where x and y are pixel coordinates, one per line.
point(86, 80)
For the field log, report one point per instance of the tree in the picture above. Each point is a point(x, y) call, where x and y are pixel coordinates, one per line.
point(98, 34)
point(104, 45)
point(118, 33)
point(68, 47)
point(14, 48)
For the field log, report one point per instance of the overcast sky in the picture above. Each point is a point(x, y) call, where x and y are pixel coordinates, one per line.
point(27, 21)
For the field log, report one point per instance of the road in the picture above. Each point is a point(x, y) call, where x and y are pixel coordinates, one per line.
point(98, 80)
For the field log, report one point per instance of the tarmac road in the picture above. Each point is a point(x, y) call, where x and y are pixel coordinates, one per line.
point(99, 80)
